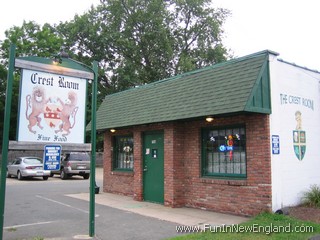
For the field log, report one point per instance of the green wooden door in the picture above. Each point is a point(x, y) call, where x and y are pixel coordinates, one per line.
point(153, 167)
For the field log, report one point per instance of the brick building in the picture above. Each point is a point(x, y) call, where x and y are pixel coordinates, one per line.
point(222, 138)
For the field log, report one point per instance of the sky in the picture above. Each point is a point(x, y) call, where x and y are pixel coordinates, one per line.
point(288, 27)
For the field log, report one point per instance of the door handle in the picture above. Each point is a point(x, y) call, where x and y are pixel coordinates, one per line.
point(145, 169)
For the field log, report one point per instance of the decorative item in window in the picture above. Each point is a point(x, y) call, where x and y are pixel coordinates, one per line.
point(230, 146)
point(127, 150)
point(123, 153)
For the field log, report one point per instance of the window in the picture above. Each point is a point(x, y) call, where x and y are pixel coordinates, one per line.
point(17, 162)
point(224, 152)
point(32, 161)
point(123, 153)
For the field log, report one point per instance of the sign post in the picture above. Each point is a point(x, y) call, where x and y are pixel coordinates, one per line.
point(5, 139)
point(53, 110)
point(93, 151)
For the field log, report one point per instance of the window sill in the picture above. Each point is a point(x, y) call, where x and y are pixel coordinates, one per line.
point(122, 173)
point(231, 182)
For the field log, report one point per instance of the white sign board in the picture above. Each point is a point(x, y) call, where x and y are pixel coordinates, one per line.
point(52, 108)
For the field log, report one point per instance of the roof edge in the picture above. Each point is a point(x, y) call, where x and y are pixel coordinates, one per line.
point(299, 66)
point(230, 61)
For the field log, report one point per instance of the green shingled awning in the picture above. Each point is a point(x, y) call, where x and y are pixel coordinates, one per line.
point(235, 86)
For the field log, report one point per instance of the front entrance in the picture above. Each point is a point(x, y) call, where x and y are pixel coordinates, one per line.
point(153, 167)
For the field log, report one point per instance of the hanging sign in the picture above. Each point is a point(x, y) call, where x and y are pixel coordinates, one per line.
point(52, 108)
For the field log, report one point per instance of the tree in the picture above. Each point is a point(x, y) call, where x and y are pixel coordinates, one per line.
point(137, 41)
point(14, 103)
point(197, 28)
point(3, 76)
point(134, 41)
point(31, 40)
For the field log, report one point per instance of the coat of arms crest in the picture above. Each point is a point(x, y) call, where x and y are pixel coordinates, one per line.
point(299, 138)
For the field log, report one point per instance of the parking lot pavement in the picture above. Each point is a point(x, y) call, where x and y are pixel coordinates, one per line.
point(143, 211)
point(181, 216)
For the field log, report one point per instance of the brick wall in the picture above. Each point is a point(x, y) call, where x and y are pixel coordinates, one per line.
point(115, 181)
point(243, 197)
point(184, 185)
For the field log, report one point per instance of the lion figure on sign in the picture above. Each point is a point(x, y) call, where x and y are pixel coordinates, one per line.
point(36, 102)
point(69, 109)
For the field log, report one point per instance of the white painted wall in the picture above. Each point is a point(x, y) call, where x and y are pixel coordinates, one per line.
point(294, 89)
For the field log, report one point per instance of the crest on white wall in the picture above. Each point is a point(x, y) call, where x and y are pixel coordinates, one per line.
point(299, 137)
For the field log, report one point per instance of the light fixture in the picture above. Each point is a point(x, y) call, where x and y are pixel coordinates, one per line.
point(112, 130)
point(209, 119)
point(57, 59)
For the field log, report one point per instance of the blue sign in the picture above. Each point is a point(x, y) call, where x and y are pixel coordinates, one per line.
point(224, 148)
point(52, 157)
point(275, 144)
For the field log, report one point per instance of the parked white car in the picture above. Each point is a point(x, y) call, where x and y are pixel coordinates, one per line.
point(23, 167)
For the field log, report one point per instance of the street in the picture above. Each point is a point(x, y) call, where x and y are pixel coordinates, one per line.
point(38, 209)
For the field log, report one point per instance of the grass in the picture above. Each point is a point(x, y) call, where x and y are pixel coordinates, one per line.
point(264, 226)
point(311, 198)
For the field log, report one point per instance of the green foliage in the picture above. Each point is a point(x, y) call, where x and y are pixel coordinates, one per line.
point(14, 103)
point(138, 42)
point(135, 42)
point(31, 40)
point(312, 197)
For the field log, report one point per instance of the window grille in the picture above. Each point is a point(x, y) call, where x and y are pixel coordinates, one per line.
point(224, 152)
point(123, 153)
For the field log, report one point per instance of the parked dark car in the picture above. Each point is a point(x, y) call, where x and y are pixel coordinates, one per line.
point(74, 163)
point(27, 167)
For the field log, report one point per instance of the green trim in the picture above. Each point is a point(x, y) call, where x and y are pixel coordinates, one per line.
point(86, 110)
point(122, 170)
point(226, 176)
point(231, 178)
point(260, 97)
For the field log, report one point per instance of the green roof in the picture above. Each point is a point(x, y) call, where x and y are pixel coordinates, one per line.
point(238, 85)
